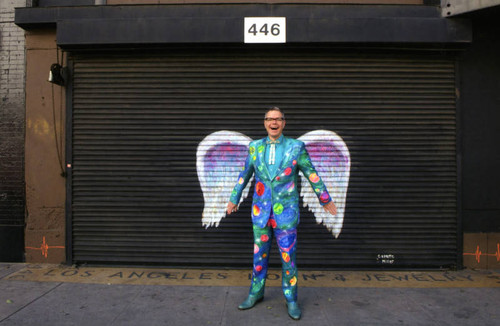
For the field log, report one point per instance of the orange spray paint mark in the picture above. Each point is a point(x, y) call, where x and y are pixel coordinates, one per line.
point(479, 253)
point(44, 248)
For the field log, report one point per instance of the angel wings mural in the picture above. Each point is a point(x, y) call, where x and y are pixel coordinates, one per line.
point(221, 155)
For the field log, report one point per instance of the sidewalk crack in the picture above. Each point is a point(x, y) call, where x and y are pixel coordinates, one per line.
point(223, 314)
point(31, 302)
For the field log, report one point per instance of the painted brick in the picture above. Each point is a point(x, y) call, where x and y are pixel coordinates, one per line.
point(475, 246)
point(45, 245)
point(12, 72)
point(482, 250)
point(494, 250)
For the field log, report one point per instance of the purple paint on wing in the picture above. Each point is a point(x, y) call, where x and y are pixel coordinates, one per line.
point(225, 155)
point(326, 153)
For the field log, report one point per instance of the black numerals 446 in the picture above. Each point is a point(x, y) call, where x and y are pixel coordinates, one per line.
point(264, 29)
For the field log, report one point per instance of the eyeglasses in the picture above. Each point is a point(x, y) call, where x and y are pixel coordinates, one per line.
point(274, 119)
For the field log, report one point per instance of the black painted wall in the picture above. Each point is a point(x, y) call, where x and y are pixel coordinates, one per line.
point(480, 118)
point(11, 180)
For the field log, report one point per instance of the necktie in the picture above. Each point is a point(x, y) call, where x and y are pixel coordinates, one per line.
point(272, 152)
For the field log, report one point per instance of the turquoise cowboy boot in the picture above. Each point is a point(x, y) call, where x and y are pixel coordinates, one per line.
point(250, 302)
point(293, 310)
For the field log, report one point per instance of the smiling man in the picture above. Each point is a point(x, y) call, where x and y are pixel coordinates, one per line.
point(276, 161)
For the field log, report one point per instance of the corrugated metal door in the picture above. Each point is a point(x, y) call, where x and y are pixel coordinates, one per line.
point(138, 119)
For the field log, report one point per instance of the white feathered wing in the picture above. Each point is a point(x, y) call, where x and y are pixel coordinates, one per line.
point(219, 160)
point(330, 156)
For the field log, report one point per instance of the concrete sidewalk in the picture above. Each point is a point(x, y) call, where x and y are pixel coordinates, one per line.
point(42, 303)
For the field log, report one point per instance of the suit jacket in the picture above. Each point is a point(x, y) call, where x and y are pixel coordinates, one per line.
point(278, 193)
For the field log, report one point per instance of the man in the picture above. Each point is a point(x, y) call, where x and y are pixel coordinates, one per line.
point(276, 161)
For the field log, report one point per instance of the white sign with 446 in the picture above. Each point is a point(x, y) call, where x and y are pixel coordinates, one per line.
point(265, 30)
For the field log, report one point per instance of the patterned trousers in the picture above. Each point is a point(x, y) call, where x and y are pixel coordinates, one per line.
point(286, 240)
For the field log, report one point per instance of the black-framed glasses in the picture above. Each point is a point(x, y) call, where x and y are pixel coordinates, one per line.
point(274, 119)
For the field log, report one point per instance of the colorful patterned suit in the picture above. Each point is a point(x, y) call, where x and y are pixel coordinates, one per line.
point(275, 207)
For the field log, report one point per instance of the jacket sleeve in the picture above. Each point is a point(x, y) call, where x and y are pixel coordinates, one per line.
point(243, 177)
point(305, 165)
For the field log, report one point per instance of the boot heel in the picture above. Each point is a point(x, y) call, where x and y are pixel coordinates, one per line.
point(250, 302)
point(294, 310)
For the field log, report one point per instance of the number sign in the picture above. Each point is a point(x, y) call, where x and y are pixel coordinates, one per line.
point(265, 30)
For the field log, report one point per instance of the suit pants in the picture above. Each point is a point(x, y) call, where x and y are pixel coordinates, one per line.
point(286, 240)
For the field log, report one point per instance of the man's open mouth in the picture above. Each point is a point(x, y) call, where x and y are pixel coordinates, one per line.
point(274, 128)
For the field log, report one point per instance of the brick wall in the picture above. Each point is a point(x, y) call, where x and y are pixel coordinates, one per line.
point(12, 72)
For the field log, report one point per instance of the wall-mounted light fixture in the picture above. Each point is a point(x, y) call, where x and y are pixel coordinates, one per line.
point(58, 74)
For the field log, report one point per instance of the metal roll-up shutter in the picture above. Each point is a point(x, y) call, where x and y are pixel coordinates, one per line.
point(138, 119)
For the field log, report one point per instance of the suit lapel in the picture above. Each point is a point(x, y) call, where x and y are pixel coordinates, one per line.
point(285, 160)
point(261, 160)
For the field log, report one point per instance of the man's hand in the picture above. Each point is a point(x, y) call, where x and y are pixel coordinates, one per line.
point(231, 208)
point(331, 208)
